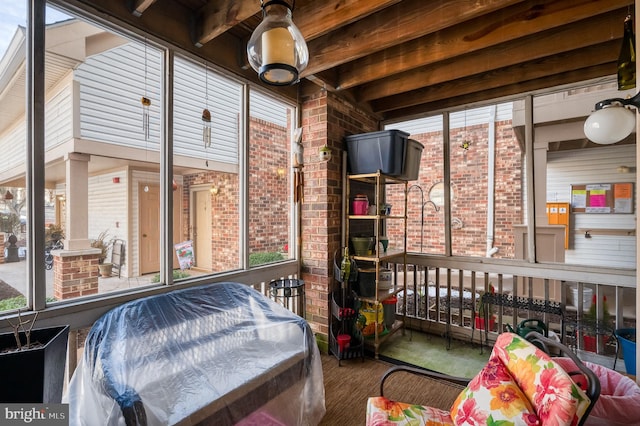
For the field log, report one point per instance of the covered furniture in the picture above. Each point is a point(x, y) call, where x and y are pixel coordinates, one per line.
point(218, 354)
point(520, 385)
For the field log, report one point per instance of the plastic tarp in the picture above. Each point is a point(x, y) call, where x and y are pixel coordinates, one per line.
point(222, 353)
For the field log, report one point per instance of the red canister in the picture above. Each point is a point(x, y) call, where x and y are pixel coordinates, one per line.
point(360, 204)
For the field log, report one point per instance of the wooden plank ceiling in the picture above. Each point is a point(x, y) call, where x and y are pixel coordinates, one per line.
point(402, 58)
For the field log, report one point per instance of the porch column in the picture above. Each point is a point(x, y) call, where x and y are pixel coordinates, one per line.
point(77, 195)
point(75, 269)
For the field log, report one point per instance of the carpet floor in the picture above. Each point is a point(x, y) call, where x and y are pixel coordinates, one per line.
point(348, 386)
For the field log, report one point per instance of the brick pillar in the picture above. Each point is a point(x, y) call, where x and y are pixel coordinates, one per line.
point(326, 119)
point(75, 273)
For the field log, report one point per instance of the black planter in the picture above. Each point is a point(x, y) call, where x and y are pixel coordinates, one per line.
point(34, 375)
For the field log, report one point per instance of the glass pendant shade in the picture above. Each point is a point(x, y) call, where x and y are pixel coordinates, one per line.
point(610, 124)
point(276, 50)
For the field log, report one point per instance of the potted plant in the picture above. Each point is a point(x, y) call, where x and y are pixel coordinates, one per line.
point(103, 243)
point(480, 312)
point(33, 362)
point(593, 327)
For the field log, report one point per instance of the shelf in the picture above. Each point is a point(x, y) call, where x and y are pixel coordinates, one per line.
point(369, 342)
point(384, 257)
point(383, 295)
point(373, 217)
point(371, 178)
point(375, 226)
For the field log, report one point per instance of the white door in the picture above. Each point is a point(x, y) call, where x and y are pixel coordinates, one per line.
point(202, 231)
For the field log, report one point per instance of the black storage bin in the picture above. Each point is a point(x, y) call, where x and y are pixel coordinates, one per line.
point(384, 151)
point(412, 157)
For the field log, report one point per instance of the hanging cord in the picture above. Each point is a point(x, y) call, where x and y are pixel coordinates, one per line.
point(146, 102)
point(206, 116)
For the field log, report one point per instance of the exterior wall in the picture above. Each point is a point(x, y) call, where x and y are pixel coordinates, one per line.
point(112, 83)
point(325, 119)
point(469, 171)
point(269, 193)
point(108, 207)
point(225, 216)
point(59, 117)
point(595, 165)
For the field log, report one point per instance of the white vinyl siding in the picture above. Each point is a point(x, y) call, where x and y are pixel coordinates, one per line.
point(58, 129)
point(111, 86)
point(108, 206)
point(14, 148)
point(59, 118)
point(587, 166)
point(267, 109)
point(223, 100)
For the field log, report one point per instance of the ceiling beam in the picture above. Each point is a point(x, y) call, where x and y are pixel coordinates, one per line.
point(505, 92)
point(399, 23)
point(555, 41)
point(500, 27)
point(216, 17)
point(317, 18)
point(531, 70)
point(139, 6)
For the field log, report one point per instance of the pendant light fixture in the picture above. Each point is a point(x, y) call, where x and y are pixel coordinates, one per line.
point(276, 50)
point(611, 121)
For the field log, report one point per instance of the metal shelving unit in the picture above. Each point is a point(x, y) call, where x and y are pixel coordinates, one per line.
point(377, 223)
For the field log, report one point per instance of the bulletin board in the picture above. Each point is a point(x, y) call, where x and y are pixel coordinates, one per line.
point(602, 198)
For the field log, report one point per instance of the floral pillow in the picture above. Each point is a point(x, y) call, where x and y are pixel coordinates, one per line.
point(385, 412)
point(493, 398)
point(557, 399)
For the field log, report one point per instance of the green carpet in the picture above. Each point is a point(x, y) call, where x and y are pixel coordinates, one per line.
point(430, 352)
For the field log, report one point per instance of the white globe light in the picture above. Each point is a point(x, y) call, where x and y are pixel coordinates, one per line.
point(610, 124)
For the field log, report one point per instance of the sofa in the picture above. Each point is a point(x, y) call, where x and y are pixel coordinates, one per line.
point(218, 354)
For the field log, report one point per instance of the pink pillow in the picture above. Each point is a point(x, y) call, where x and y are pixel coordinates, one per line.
point(619, 402)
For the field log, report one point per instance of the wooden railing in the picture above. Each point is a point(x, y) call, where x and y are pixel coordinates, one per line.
point(443, 294)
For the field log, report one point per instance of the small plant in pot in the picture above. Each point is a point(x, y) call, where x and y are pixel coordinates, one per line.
point(594, 327)
point(480, 312)
point(32, 362)
point(103, 243)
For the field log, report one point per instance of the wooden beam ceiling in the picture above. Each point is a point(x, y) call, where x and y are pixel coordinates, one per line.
point(401, 58)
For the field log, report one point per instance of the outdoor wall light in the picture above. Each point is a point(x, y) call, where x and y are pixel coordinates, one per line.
point(276, 50)
point(214, 190)
point(611, 121)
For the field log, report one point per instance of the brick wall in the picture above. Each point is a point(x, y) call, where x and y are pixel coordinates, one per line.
point(469, 179)
point(269, 193)
point(325, 119)
point(225, 207)
point(269, 212)
point(74, 275)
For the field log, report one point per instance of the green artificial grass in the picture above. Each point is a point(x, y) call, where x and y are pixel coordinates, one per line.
point(430, 351)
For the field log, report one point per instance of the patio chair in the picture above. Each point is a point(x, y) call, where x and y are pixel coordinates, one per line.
point(520, 384)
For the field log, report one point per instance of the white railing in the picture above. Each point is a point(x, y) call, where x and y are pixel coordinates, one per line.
point(443, 296)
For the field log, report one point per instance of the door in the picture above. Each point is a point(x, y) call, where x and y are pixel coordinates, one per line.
point(202, 231)
point(149, 223)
